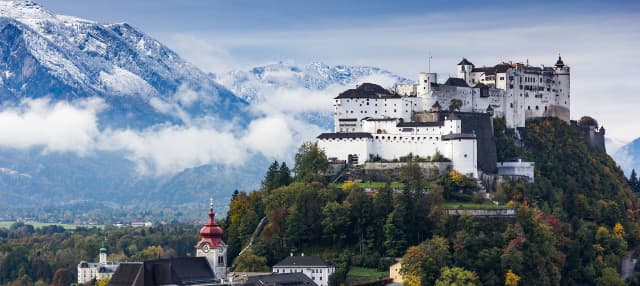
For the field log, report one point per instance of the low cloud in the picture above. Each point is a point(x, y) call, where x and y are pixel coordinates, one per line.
point(157, 150)
point(61, 126)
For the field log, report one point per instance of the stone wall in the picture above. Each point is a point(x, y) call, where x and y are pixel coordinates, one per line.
point(391, 171)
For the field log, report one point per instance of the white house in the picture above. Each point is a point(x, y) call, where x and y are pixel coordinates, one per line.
point(313, 267)
point(88, 271)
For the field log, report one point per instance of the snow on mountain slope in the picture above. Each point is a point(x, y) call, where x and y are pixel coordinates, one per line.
point(250, 85)
point(303, 92)
point(628, 156)
point(43, 54)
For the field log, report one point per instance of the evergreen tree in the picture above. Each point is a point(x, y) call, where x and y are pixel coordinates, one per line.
point(633, 181)
point(284, 175)
point(271, 179)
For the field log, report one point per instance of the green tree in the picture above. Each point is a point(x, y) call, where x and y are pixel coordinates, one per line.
point(284, 175)
point(272, 178)
point(248, 261)
point(610, 278)
point(456, 276)
point(455, 105)
point(633, 181)
point(336, 222)
point(311, 163)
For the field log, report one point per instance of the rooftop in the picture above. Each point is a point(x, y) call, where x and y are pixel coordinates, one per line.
point(368, 90)
point(344, 135)
point(302, 261)
point(276, 279)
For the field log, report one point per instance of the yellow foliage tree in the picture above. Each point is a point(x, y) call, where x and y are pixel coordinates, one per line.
point(348, 186)
point(618, 230)
point(103, 282)
point(511, 279)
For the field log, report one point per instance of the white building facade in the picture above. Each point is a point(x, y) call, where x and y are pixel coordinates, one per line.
point(88, 271)
point(513, 91)
point(391, 138)
point(313, 267)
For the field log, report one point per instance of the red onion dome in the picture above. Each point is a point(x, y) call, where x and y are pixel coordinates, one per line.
point(211, 232)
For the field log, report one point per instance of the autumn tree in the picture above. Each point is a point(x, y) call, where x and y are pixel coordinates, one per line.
point(421, 264)
point(511, 279)
point(62, 277)
point(457, 276)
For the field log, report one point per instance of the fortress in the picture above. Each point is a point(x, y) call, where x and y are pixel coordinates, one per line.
point(451, 118)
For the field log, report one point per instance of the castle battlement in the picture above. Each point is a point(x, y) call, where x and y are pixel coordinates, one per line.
point(371, 120)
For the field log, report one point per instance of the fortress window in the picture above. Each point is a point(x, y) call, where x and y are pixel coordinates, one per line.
point(545, 108)
point(511, 105)
point(536, 107)
point(465, 155)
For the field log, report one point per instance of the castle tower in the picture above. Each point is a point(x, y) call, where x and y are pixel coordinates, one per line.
point(103, 255)
point(464, 69)
point(562, 100)
point(211, 245)
point(424, 83)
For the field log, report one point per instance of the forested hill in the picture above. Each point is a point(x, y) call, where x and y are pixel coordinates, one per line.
point(573, 225)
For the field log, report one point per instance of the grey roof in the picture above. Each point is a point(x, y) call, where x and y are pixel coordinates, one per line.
point(499, 68)
point(128, 274)
point(284, 279)
point(454, 81)
point(342, 135)
point(174, 271)
point(368, 90)
point(436, 105)
point(348, 119)
point(464, 62)
point(380, 119)
point(303, 261)
point(458, 136)
point(453, 116)
point(419, 124)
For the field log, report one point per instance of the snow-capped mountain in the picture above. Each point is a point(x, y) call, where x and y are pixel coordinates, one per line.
point(628, 156)
point(250, 85)
point(43, 54)
point(155, 113)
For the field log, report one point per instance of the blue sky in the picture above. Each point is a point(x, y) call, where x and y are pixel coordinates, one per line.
point(599, 40)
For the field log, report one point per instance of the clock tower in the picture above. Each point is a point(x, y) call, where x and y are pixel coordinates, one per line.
point(212, 247)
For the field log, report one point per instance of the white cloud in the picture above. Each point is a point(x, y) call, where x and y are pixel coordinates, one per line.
point(158, 150)
point(58, 126)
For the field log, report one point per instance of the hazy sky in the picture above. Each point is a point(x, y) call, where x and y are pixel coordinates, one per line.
point(600, 41)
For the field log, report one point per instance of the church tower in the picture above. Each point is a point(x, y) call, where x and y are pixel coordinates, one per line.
point(103, 255)
point(211, 245)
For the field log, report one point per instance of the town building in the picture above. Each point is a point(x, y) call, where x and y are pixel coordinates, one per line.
point(211, 245)
point(89, 271)
point(193, 271)
point(313, 267)
point(395, 274)
point(282, 279)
